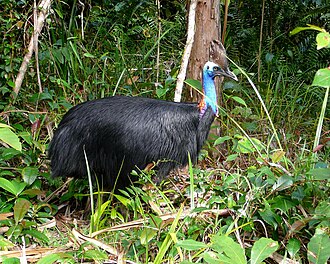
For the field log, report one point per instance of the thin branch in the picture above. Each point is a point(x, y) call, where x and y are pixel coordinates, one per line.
point(187, 51)
point(225, 18)
point(260, 38)
point(43, 7)
point(35, 42)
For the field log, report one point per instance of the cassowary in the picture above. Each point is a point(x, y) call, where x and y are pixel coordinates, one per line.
point(121, 133)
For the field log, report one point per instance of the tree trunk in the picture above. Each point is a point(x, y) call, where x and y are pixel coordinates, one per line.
point(207, 44)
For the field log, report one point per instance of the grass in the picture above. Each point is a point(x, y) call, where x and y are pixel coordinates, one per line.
point(259, 193)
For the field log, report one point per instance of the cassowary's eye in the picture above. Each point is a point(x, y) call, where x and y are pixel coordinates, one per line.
point(216, 68)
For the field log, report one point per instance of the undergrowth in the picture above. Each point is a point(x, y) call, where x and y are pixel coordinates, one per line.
point(260, 191)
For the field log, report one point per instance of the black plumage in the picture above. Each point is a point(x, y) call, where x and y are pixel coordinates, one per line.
point(119, 133)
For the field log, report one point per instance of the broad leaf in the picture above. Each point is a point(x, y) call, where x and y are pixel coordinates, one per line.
point(318, 247)
point(147, 235)
point(320, 174)
point(36, 234)
point(20, 209)
point(190, 244)
point(277, 155)
point(283, 183)
point(30, 174)
point(9, 137)
point(323, 40)
point(239, 100)
point(194, 84)
point(310, 27)
point(262, 249)
point(220, 140)
point(322, 78)
point(233, 251)
point(293, 246)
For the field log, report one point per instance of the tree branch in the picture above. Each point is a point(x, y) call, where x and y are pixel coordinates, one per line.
point(187, 51)
point(43, 12)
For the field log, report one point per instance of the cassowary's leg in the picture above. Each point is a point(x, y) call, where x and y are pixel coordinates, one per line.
point(163, 170)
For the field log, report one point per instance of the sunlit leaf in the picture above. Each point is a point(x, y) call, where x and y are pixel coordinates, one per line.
point(239, 100)
point(8, 186)
point(277, 155)
point(322, 78)
point(231, 157)
point(323, 40)
point(9, 137)
point(310, 27)
point(88, 55)
point(95, 255)
point(233, 251)
point(262, 249)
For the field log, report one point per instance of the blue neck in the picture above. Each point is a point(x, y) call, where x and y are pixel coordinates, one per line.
point(210, 93)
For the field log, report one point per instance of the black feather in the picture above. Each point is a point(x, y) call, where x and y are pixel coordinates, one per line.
point(124, 132)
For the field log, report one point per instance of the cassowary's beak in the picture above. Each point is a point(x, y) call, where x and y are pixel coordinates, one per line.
point(226, 73)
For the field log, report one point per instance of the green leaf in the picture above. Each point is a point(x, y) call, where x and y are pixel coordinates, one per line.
point(270, 217)
point(190, 244)
point(30, 174)
point(8, 186)
point(20, 209)
point(53, 258)
point(323, 40)
point(9, 137)
point(11, 261)
point(147, 235)
point(245, 146)
point(160, 92)
point(231, 157)
point(283, 183)
point(318, 247)
point(5, 244)
point(32, 192)
point(94, 255)
point(322, 78)
point(88, 55)
point(220, 140)
point(310, 27)
point(277, 155)
point(239, 100)
point(262, 249)
point(37, 235)
point(320, 174)
point(233, 251)
point(282, 203)
point(293, 246)
point(194, 84)
point(125, 201)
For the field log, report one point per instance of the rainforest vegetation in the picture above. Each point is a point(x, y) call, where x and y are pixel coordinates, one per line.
point(260, 191)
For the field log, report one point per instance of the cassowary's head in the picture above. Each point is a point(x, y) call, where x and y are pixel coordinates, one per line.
point(211, 69)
